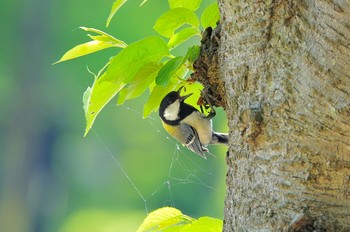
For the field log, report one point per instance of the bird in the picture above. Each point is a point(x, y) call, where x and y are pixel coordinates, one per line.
point(185, 123)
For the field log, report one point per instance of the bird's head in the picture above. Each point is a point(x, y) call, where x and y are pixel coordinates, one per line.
point(169, 108)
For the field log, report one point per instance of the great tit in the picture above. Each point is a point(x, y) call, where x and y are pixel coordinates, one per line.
point(186, 124)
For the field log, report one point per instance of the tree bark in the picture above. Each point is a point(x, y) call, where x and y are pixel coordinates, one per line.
point(285, 66)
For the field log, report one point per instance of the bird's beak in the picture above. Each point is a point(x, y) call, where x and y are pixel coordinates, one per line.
point(182, 98)
point(179, 90)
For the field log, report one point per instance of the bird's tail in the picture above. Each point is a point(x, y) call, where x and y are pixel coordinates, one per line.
point(220, 138)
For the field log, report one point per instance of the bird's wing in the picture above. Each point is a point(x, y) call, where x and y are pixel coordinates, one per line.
point(192, 140)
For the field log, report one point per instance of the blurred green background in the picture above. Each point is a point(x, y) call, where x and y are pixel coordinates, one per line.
point(53, 179)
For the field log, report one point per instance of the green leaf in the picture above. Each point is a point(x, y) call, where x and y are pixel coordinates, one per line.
point(192, 53)
point(102, 91)
point(206, 224)
point(210, 16)
point(182, 36)
point(157, 94)
point(104, 36)
point(167, 71)
point(99, 38)
point(121, 70)
point(128, 62)
point(169, 219)
point(171, 20)
point(181, 73)
point(142, 81)
point(115, 7)
point(189, 4)
point(162, 218)
point(85, 49)
point(100, 42)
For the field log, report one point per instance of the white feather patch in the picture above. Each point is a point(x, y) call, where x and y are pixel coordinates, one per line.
point(171, 113)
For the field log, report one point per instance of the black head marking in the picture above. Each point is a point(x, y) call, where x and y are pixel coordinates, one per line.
point(184, 111)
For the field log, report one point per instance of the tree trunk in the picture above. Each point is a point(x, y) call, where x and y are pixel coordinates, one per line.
point(285, 66)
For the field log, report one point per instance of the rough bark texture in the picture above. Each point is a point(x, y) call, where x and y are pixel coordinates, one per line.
point(286, 72)
point(207, 68)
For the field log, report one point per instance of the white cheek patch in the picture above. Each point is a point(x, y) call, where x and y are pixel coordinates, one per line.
point(171, 113)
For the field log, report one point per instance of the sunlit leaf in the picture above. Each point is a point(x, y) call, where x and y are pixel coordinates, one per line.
point(189, 4)
point(99, 42)
point(206, 224)
point(102, 91)
point(105, 36)
point(121, 70)
point(210, 16)
point(169, 219)
point(99, 38)
point(128, 62)
point(171, 20)
point(163, 218)
point(157, 94)
point(182, 36)
point(166, 72)
point(115, 7)
point(85, 49)
point(141, 82)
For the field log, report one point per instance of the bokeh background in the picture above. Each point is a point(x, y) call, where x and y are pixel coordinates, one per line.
point(53, 179)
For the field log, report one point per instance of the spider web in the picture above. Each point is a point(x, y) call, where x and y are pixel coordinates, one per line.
point(184, 172)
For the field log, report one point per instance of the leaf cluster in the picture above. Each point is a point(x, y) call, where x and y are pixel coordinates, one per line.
point(147, 64)
point(169, 219)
